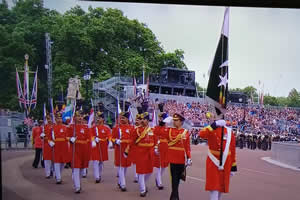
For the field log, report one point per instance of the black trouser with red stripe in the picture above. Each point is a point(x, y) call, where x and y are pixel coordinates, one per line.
point(176, 172)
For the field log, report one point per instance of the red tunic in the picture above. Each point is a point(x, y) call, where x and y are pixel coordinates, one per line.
point(100, 152)
point(132, 151)
point(81, 152)
point(161, 160)
point(216, 179)
point(144, 150)
point(126, 131)
point(47, 151)
point(178, 151)
point(61, 144)
point(36, 132)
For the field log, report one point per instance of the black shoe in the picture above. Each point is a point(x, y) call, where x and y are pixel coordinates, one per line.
point(98, 180)
point(48, 177)
point(83, 176)
point(143, 194)
point(135, 181)
point(58, 182)
point(159, 187)
point(123, 189)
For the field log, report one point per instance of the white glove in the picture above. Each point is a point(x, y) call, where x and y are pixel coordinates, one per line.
point(125, 155)
point(232, 174)
point(110, 145)
point(189, 162)
point(94, 144)
point(42, 135)
point(220, 123)
point(156, 151)
point(118, 141)
point(51, 143)
point(97, 139)
point(72, 139)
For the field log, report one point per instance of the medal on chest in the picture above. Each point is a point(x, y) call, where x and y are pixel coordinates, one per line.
point(61, 130)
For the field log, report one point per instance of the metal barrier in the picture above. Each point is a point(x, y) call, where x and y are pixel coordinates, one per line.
point(9, 137)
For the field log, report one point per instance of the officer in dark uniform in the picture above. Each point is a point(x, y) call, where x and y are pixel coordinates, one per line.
point(254, 142)
point(242, 139)
point(270, 142)
point(259, 140)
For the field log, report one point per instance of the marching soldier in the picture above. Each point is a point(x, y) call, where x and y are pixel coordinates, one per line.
point(132, 154)
point(47, 149)
point(121, 136)
point(36, 132)
point(101, 136)
point(84, 172)
point(179, 153)
point(144, 139)
point(161, 160)
point(79, 137)
point(60, 146)
point(217, 176)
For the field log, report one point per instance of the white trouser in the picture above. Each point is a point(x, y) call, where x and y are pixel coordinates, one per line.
point(158, 174)
point(84, 172)
point(47, 164)
point(98, 166)
point(122, 175)
point(136, 178)
point(58, 167)
point(143, 178)
point(215, 195)
point(76, 177)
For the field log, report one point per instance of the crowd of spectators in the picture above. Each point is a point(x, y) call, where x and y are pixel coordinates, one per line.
point(253, 118)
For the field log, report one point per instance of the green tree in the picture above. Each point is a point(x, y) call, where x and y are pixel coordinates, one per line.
point(104, 38)
point(270, 100)
point(294, 98)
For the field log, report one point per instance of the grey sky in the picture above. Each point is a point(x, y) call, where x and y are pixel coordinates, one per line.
point(264, 43)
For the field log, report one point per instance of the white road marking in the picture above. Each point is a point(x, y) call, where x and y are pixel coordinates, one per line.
point(197, 179)
point(260, 172)
point(280, 164)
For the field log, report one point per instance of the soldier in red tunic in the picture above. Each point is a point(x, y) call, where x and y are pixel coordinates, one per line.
point(179, 152)
point(161, 160)
point(60, 146)
point(79, 137)
point(100, 137)
point(132, 154)
point(38, 144)
point(218, 176)
point(121, 139)
point(47, 149)
point(144, 140)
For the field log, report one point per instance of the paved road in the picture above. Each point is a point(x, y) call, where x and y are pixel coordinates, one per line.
point(256, 179)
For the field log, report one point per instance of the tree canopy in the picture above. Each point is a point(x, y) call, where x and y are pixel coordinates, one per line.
point(104, 38)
